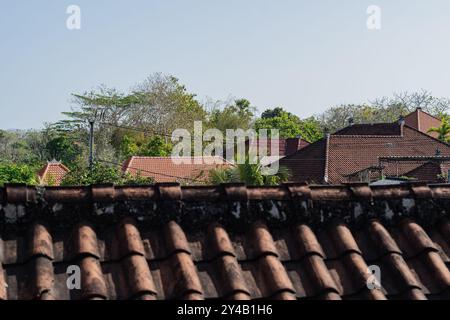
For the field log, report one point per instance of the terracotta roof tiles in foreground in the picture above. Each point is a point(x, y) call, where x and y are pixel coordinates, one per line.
point(230, 241)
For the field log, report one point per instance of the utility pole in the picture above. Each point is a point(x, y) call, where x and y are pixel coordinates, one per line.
point(91, 144)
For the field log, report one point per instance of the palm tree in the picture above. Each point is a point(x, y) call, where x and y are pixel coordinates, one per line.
point(443, 130)
point(248, 173)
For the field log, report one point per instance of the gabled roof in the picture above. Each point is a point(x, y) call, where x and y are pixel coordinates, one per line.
point(309, 163)
point(164, 169)
point(52, 173)
point(286, 146)
point(350, 154)
point(341, 155)
point(281, 146)
point(229, 242)
point(422, 121)
point(430, 171)
point(371, 129)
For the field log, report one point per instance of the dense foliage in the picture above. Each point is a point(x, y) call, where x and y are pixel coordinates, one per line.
point(248, 173)
point(102, 173)
point(17, 173)
point(443, 130)
point(290, 125)
point(139, 122)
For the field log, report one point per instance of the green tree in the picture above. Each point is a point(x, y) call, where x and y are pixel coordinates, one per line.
point(238, 115)
point(385, 109)
point(274, 113)
point(248, 173)
point(102, 173)
point(139, 145)
point(159, 105)
point(443, 130)
point(63, 148)
point(156, 147)
point(17, 173)
point(130, 146)
point(289, 125)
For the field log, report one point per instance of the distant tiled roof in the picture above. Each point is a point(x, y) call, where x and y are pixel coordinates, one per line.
point(431, 171)
point(309, 163)
point(350, 154)
point(428, 171)
point(423, 121)
point(339, 156)
point(164, 169)
point(285, 146)
point(52, 173)
point(375, 129)
point(232, 242)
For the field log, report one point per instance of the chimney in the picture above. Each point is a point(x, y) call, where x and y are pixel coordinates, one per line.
point(351, 121)
point(401, 122)
point(293, 145)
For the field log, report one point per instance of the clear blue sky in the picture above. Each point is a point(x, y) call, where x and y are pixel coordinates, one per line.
point(302, 55)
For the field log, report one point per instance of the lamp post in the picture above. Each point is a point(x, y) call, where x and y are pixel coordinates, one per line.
point(91, 144)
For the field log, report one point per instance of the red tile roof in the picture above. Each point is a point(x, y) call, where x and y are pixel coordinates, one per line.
point(308, 164)
point(285, 146)
point(164, 242)
point(371, 129)
point(353, 153)
point(428, 171)
point(422, 121)
point(339, 156)
point(164, 169)
point(52, 173)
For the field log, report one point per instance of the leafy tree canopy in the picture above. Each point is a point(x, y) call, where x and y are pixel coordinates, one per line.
point(64, 149)
point(17, 173)
point(139, 145)
point(248, 173)
point(290, 125)
point(385, 109)
point(102, 173)
point(443, 130)
point(156, 106)
point(238, 115)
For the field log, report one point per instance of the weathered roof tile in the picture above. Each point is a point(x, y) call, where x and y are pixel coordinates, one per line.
point(315, 249)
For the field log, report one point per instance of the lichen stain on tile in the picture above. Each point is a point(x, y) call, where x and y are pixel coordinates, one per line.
point(357, 210)
point(57, 207)
point(408, 204)
point(13, 212)
point(236, 210)
point(104, 209)
point(304, 205)
point(272, 211)
point(388, 213)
